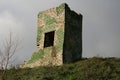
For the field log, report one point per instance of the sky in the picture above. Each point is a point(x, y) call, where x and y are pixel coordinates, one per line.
point(101, 25)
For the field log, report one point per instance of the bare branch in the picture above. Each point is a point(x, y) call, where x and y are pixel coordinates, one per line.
point(10, 46)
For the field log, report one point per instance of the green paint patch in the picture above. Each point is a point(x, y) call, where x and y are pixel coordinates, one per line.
point(60, 36)
point(39, 31)
point(36, 56)
point(47, 50)
point(49, 20)
point(49, 23)
point(60, 9)
point(50, 27)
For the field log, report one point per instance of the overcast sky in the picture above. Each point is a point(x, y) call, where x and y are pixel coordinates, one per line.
point(101, 24)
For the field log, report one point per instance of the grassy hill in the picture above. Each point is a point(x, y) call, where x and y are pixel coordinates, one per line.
point(86, 69)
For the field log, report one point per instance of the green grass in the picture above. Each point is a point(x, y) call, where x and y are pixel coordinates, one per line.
point(86, 69)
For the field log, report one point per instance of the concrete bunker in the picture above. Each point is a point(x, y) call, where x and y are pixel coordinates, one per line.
point(59, 37)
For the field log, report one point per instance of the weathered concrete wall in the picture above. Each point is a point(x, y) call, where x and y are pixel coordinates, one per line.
point(52, 20)
point(72, 50)
point(49, 20)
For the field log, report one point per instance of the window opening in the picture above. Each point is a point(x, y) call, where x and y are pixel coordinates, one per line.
point(49, 39)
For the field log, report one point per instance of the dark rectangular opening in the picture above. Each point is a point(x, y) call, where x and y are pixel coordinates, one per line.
point(49, 39)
